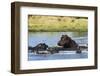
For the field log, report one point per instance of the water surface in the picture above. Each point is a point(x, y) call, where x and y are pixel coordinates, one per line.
point(51, 39)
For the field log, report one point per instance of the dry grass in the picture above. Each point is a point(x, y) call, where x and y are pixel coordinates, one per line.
point(56, 23)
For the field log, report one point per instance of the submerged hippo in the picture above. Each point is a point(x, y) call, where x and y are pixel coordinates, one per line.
point(40, 47)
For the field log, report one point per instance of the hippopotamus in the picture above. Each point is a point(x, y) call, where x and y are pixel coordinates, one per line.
point(39, 47)
point(67, 42)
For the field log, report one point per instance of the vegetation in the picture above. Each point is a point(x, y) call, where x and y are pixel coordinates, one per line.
point(56, 23)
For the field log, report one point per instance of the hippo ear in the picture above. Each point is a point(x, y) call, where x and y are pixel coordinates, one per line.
point(66, 35)
point(63, 35)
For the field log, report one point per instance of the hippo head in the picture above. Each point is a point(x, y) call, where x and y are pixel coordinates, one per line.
point(65, 40)
point(42, 46)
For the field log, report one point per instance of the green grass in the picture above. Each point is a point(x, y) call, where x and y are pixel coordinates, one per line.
point(56, 23)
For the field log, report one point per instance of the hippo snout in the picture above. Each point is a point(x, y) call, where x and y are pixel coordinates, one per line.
point(59, 43)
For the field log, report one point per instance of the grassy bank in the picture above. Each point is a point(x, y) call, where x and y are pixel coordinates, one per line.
point(56, 23)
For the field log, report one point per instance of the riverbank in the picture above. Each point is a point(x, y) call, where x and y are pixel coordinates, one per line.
point(57, 24)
